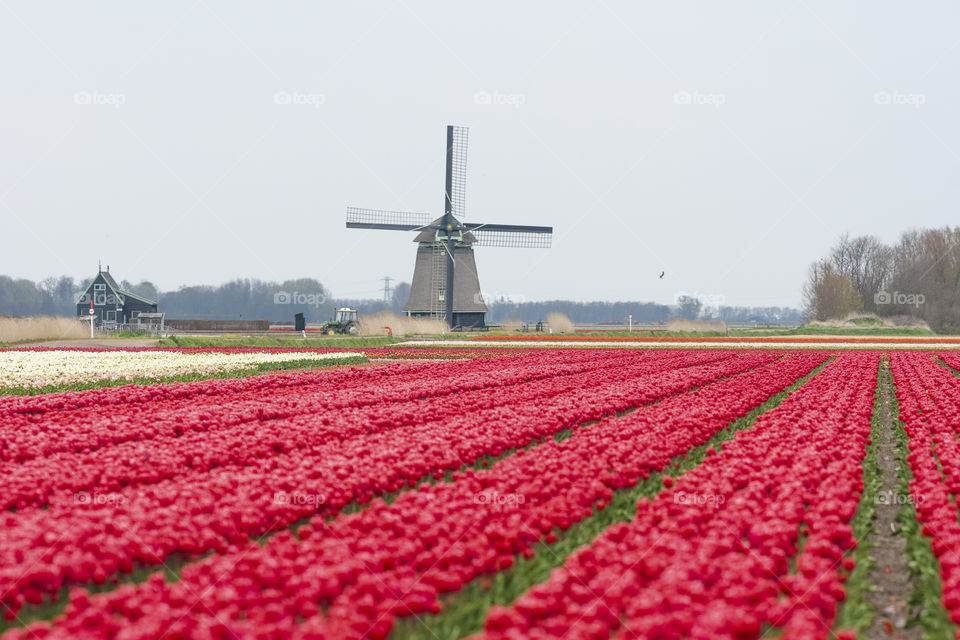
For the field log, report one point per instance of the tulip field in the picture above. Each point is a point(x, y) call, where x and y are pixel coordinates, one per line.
point(485, 493)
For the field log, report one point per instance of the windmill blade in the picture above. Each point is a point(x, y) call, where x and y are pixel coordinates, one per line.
point(457, 170)
point(510, 235)
point(358, 218)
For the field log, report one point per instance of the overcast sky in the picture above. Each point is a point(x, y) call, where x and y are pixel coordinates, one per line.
point(728, 144)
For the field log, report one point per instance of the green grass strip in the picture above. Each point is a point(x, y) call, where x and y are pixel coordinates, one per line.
point(855, 612)
point(293, 340)
point(263, 367)
point(465, 611)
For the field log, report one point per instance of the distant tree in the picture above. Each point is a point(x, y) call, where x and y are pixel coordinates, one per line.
point(59, 296)
point(580, 312)
point(918, 277)
point(307, 296)
point(20, 297)
point(401, 293)
point(866, 262)
point(251, 299)
point(144, 289)
point(689, 307)
point(828, 294)
point(761, 315)
point(926, 281)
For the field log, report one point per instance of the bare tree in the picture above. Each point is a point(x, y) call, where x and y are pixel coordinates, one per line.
point(866, 262)
point(828, 294)
point(926, 280)
point(919, 277)
point(689, 307)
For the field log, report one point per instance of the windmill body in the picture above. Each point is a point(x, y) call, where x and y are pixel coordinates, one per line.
point(429, 285)
point(445, 283)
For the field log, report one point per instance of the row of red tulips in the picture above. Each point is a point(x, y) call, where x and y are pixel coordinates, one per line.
point(265, 489)
point(203, 444)
point(708, 557)
point(951, 358)
point(929, 399)
point(135, 394)
point(43, 425)
point(390, 560)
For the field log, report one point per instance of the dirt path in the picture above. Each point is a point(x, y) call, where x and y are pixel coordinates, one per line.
point(891, 576)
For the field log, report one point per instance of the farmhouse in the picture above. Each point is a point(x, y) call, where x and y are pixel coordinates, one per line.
point(111, 304)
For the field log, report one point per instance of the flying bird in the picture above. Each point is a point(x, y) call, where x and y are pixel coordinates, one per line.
point(661, 274)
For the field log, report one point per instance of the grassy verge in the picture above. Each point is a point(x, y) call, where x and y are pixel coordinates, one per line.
point(855, 612)
point(926, 596)
point(465, 611)
point(337, 342)
point(264, 367)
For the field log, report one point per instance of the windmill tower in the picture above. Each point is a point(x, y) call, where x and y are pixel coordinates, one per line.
point(445, 283)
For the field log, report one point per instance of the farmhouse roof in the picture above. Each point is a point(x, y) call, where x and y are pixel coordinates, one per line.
point(116, 288)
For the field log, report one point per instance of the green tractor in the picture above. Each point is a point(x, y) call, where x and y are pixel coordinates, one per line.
point(346, 322)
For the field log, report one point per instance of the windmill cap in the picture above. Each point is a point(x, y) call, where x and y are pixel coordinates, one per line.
point(428, 234)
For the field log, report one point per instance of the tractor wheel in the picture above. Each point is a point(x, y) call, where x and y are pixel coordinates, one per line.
point(330, 332)
point(353, 328)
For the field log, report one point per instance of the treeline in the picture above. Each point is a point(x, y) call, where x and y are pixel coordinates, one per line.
point(254, 299)
point(275, 301)
point(643, 312)
point(49, 297)
point(250, 299)
point(918, 277)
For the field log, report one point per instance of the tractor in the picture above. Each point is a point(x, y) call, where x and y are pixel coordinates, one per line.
point(346, 322)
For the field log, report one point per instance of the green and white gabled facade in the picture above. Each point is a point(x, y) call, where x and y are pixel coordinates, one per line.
point(111, 304)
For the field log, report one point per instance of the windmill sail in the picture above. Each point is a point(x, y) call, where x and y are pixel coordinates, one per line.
point(510, 235)
point(457, 167)
point(359, 218)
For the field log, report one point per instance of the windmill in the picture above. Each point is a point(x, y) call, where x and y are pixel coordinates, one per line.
point(445, 283)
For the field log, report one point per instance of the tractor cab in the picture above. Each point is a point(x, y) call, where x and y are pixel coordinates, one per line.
point(346, 321)
point(346, 316)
